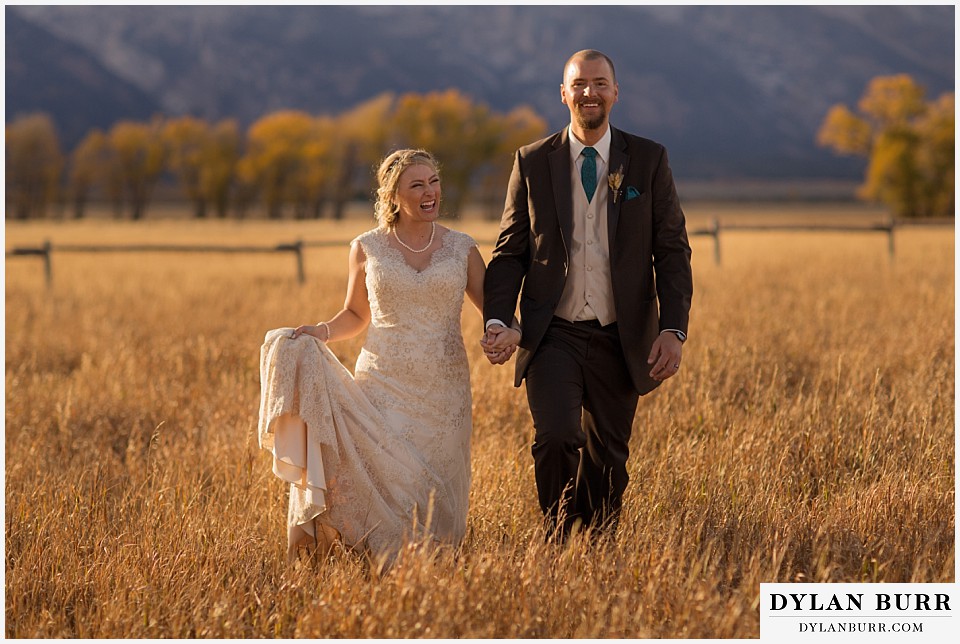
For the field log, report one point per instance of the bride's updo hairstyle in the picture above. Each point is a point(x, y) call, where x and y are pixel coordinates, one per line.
point(386, 209)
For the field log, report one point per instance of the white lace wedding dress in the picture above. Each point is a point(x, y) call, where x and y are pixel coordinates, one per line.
point(382, 456)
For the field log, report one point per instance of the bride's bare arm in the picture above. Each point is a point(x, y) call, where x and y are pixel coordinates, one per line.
point(354, 317)
point(475, 273)
point(497, 349)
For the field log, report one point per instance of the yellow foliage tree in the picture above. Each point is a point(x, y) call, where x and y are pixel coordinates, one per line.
point(185, 138)
point(220, 155)
point(305, 161)
point(909, 144)
point(845, 132)
point(204, 158)
point(291, 158)
point(141, 159)
point(456, 130)
point(473, 144)
point(935, 156)
point(88, 165)
point(519, 127)
point(34, 163)
point(311, 180)
point(362, 135)
point(275, 156)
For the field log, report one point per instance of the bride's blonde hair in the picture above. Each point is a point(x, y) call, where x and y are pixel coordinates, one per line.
point(386, 209)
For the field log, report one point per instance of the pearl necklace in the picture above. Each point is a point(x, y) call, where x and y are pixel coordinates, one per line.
point(433, 231)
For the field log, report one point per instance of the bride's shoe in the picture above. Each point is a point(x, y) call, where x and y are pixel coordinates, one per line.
point(326, 539)
point(320, 544)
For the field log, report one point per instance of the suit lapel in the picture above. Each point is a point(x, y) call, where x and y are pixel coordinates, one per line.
point(619, 161)
point(559, 160)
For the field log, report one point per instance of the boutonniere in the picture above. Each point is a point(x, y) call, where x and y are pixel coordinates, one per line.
point(614, 179)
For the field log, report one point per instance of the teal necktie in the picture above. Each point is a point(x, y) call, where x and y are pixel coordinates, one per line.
point(588, 172)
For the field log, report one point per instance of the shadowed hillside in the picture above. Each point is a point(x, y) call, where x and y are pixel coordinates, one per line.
point(732, 91)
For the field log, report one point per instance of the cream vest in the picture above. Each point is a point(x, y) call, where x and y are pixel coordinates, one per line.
point(588, 290)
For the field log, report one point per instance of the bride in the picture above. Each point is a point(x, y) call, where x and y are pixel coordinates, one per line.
point(381, 457)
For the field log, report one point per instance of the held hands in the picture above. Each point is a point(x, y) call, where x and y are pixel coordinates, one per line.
point(665, 356)
point(499, 343)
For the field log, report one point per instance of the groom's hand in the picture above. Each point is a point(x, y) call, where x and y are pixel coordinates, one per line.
point(499, 343)
point(665, 356)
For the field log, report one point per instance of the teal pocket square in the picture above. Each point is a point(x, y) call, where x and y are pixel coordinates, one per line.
point(632, 193)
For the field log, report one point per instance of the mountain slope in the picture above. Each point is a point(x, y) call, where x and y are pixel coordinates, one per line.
point(732, 91)
point(45, 73)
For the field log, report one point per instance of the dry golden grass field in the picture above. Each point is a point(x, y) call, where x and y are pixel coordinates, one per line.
point(809, 436)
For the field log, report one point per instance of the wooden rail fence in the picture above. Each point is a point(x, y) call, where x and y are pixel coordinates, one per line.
point(45, 252)
point(888, 227)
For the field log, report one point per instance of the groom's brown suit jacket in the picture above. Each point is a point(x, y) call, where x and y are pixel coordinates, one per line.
point(649, 251)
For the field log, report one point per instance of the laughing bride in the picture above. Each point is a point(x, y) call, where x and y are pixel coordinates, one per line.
point(381, 458)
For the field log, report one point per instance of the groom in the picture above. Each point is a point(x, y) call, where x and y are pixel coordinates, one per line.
point(591, 241)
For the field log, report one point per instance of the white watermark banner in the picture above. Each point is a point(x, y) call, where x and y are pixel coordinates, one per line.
point(858, 612)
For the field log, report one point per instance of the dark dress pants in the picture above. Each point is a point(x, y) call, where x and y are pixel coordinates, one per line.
point(583, 401)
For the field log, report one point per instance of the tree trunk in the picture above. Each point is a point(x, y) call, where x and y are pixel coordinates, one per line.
point(273, 210)
point(318, 205)
point(79, 206)
point(344, 185)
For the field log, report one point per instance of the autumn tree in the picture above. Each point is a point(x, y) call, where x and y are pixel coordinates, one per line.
point(935, 156)
point(112, 179)
point(140, 156)
point(312, 179)
point(909, 144)
point(456, 130)
point(185, 139)
point(518, 127)
point(204, 157)
point(220, 155)
point(361, 141)
point(473, 143)
point(34, 162)
point(88, 167)
point(275, 156)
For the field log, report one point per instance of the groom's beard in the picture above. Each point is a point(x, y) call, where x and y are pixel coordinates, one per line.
point(594, 123)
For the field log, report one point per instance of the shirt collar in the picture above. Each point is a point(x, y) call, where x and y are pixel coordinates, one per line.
point(602, 146)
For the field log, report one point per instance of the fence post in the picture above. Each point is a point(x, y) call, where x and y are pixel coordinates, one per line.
point(298, 249)
point(891, 224)
point(715, 231)
point(47, 263)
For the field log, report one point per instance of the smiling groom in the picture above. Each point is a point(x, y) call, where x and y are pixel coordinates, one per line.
point(593, 242)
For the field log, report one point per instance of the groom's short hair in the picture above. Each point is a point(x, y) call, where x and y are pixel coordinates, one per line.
point(590, 54)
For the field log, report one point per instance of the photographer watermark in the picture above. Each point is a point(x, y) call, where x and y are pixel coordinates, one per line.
point(798, 612)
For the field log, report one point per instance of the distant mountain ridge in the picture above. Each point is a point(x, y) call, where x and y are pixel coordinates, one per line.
point(732, 91)
point(47, 73)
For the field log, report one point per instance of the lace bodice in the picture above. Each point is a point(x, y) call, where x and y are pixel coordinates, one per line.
point(415, 314)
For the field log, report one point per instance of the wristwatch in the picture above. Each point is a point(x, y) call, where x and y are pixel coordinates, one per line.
point(680, 334)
